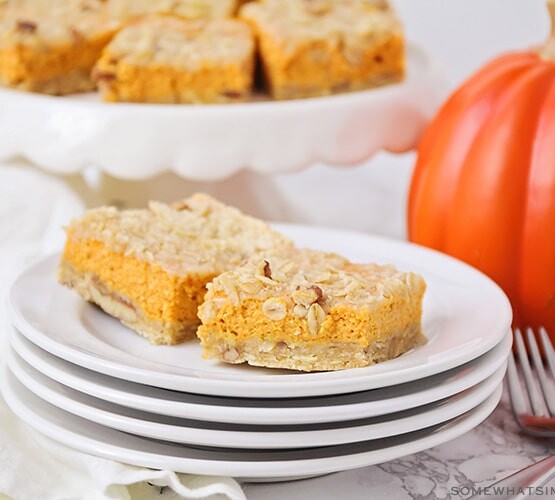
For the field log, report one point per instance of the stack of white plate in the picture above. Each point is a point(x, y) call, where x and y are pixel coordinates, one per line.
point(83, 379)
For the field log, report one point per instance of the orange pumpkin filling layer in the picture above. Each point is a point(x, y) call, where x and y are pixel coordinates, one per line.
point(149, 268)
point(309, 310)
point(160, 296)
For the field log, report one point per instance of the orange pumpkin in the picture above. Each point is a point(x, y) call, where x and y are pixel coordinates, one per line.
point(483, 189)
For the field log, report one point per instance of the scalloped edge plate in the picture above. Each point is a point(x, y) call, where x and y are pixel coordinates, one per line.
point(209, 142)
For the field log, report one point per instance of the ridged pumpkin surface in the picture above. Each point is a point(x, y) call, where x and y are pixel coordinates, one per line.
point(483, 189)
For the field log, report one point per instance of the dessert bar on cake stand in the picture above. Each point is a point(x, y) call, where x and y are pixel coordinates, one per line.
point(115, 152)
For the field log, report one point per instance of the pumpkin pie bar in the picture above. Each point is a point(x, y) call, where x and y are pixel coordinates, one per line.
point(169, 60)
point(311, 311)
point(320, 47)
point(128, 10)
point(149, 267)
point(50, 46)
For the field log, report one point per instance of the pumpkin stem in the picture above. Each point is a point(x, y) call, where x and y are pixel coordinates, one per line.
point(548, 51)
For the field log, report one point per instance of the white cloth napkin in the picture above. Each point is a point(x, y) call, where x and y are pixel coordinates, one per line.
point(33, 209)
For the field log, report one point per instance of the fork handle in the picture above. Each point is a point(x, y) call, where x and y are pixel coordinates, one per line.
point(540, 423)
point(536, 474)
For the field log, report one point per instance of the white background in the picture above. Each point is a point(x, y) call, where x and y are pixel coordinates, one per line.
point(463, 34)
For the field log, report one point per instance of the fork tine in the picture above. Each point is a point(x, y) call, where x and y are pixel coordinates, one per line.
point(536, 399)
point(538, 365)
point(548, 350)
point(516, 395)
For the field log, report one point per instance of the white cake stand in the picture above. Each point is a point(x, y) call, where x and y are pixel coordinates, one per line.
point(212, 142)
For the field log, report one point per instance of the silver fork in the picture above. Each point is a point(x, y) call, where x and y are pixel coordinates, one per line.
point(533, 408)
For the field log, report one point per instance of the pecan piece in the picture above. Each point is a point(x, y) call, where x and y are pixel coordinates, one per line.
point(180, 206)
point(26, 26)
point(232, 94)
point(75, 34)
point(104, 76)
point(267, 270)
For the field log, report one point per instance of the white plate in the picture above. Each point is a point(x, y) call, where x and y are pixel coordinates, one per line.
point(465, 315)
point(199, 433)
point(264, 411)
point(139, 141)
point(95, 439)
